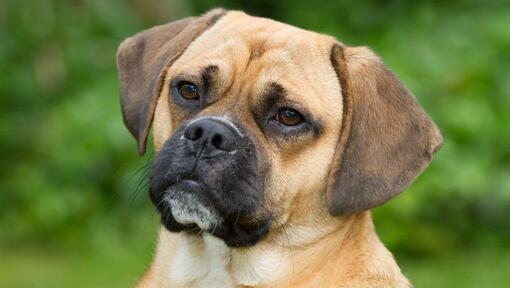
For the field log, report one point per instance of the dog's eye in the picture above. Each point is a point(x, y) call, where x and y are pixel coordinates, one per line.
point(289, 117)
point(188, 90)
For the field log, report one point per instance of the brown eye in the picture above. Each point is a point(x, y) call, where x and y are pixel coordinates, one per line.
point(188, 91)
point(289, 117)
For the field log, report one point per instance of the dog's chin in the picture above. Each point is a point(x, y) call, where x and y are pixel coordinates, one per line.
point(183, 209)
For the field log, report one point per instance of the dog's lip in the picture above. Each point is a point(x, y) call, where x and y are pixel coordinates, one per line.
point(239, 235)
point(232, 231)
point(190, 182)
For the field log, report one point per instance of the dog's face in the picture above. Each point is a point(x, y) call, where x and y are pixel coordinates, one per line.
point(257, 123)
point(252, 124)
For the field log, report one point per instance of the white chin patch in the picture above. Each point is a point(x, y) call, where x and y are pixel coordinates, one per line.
point(186, 209)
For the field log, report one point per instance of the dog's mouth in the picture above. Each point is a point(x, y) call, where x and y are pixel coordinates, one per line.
point(186, 208)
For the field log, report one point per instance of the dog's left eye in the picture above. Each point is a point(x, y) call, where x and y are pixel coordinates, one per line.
point(289, 117)
point(188, 90)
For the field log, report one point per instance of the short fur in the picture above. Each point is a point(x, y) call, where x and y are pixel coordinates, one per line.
point(366, 140)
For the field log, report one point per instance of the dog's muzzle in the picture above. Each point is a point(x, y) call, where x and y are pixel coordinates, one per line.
point(208, 178)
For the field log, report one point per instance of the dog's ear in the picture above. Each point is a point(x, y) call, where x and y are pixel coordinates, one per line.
point(387, 139)
point(142, 61)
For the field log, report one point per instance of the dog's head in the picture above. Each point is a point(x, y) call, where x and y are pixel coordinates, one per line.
point(256, 122)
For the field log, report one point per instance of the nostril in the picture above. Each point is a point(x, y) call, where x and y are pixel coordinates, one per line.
point(217, 140)
point(198, 133)
point(195, 134)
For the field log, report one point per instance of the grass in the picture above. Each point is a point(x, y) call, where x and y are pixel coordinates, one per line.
point(469, 270)
point(121, 264)
point(29, 268)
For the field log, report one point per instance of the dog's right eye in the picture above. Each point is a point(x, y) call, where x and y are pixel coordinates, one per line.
point(188, 90)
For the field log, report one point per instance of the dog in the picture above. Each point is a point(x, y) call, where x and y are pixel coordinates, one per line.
point(272, 145)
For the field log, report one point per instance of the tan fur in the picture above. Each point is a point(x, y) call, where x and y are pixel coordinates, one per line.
point(307, 246)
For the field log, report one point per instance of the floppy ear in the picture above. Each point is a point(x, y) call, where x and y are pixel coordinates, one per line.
point(142, 61)
point(387, 139)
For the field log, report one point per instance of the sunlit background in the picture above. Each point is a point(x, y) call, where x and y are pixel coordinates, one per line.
point(74, 210)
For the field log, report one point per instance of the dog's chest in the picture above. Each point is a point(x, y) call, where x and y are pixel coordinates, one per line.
point(212, 264)
point(201, 264)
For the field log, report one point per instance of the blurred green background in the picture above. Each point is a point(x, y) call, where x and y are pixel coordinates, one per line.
point(74, 210)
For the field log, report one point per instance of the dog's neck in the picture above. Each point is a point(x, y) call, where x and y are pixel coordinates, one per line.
point(204, 261)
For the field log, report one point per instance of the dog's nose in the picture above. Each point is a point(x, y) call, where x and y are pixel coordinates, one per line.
point(210, 137)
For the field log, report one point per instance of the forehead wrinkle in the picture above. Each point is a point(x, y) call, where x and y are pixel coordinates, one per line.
point(264, 60)
point(257, 48)
point(270, 67)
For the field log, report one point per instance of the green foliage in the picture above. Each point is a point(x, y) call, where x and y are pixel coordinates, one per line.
point(68, 158)
point(70, 171)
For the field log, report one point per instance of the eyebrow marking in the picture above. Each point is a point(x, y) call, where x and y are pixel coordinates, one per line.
point(209, 75)
point(274, 93)
point(275, 88)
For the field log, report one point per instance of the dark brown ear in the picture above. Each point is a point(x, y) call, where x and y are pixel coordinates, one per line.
point(142, 61)
point(387, 139)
